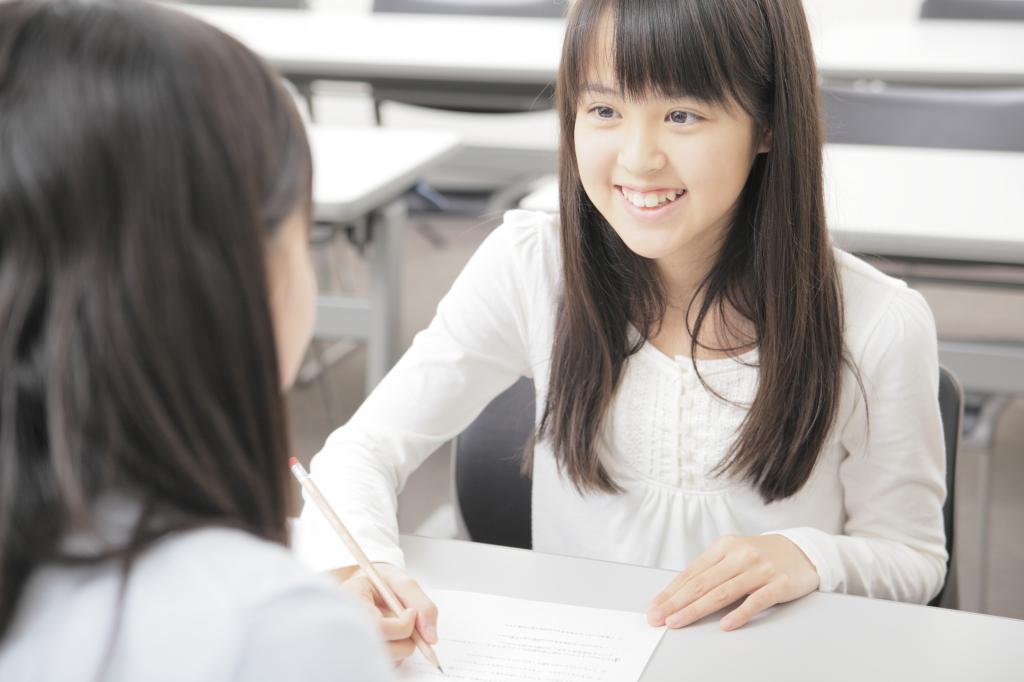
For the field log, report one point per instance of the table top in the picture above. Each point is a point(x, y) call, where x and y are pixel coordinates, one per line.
point(364, 46)
point(926, 52)
point(820, 637)
point(357, 170)
point(943, 204)
point(354, 46)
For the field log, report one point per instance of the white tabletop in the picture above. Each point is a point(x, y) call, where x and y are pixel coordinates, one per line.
point(910, 202)
point(357, 170)
point(926, 203)
point(820, 637)
point(930, 52)
point(353, 46)
point(346, 45)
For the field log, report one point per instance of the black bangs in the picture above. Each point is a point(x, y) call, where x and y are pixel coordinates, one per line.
point(671, 48)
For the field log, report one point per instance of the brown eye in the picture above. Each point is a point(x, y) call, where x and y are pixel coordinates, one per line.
point(683, 117)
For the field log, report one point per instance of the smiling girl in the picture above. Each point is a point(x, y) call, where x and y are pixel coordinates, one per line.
point(720, 390)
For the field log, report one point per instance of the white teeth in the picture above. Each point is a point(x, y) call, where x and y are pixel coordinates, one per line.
point(650, 199)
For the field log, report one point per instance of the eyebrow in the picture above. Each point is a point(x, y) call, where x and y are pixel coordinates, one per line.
point(599, 89)
point(602, 89)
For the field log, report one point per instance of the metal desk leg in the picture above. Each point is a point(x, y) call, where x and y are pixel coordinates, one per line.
point(385, 287)
point(983, 436)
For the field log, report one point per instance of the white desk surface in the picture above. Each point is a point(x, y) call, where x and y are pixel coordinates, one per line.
point(910, 202)
point(820, 637)
point(927, 203)
point(935, 52)
point(358, 170)
point(352, 46)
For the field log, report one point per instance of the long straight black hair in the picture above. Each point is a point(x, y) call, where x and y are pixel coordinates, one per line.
point(775, 267)
point(145, 160)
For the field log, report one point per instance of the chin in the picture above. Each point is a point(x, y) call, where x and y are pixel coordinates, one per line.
point(651, 245)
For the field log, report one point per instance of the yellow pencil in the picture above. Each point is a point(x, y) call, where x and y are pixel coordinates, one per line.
point(382, 587)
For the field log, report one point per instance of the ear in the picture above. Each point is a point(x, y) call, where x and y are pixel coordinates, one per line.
point(765, 145)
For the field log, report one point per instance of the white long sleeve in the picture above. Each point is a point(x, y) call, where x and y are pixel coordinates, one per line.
point(893, 542)
point(474, 348)
point(869, 517)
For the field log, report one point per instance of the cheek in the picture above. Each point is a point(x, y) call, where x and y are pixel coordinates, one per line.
point(308, 292)
point(723, 168)
point(595, 160)
point(294, 303)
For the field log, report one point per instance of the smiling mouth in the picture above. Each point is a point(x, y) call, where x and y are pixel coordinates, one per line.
point(650, 200)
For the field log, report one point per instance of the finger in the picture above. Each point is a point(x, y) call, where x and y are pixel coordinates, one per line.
point(413, 597)
point(670, 589)
point(695, 588)
point(717, 599)
point(394, 628)
point(401, 650)
point(711, 556)
point(764, 598)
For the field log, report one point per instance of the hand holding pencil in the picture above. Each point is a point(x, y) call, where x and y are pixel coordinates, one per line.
point(378, 589)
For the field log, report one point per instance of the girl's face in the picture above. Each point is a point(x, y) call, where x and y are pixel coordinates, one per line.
point(665, 172)
point(292, 293)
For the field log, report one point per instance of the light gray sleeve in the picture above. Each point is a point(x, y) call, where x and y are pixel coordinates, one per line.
point(313, 634)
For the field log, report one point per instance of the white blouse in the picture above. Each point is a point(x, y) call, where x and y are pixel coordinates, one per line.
point(869, 518)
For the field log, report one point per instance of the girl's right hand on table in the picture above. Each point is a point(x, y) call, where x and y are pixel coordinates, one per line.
point(396, 629)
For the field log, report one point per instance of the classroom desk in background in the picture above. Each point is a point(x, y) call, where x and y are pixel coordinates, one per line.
point(925, 52)
point(472, 60)
point(820, 637)
point(360, 175)
point(483, 59)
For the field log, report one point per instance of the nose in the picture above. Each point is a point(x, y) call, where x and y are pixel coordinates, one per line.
point(641, 152)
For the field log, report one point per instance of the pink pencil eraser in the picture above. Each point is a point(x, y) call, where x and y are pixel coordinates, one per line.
point(293, 461)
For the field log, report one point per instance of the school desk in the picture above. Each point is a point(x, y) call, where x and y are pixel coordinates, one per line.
point(470, 60)
point(483, 59)
point(360, 175)
point(925, 52)
point(820, 637)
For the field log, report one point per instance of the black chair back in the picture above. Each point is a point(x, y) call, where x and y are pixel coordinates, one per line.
point(987, 10)
point(951, 407)
point(910, 117)
point(492, 496)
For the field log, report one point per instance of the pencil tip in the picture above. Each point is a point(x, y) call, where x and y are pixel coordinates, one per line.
point(441, 669)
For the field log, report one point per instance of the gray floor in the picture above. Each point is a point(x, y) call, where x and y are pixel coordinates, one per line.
point(428, 272)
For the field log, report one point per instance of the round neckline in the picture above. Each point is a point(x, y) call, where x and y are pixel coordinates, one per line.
point(714, 365)
point(684, 362)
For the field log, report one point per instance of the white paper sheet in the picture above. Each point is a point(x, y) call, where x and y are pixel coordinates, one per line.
point(486, 638)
